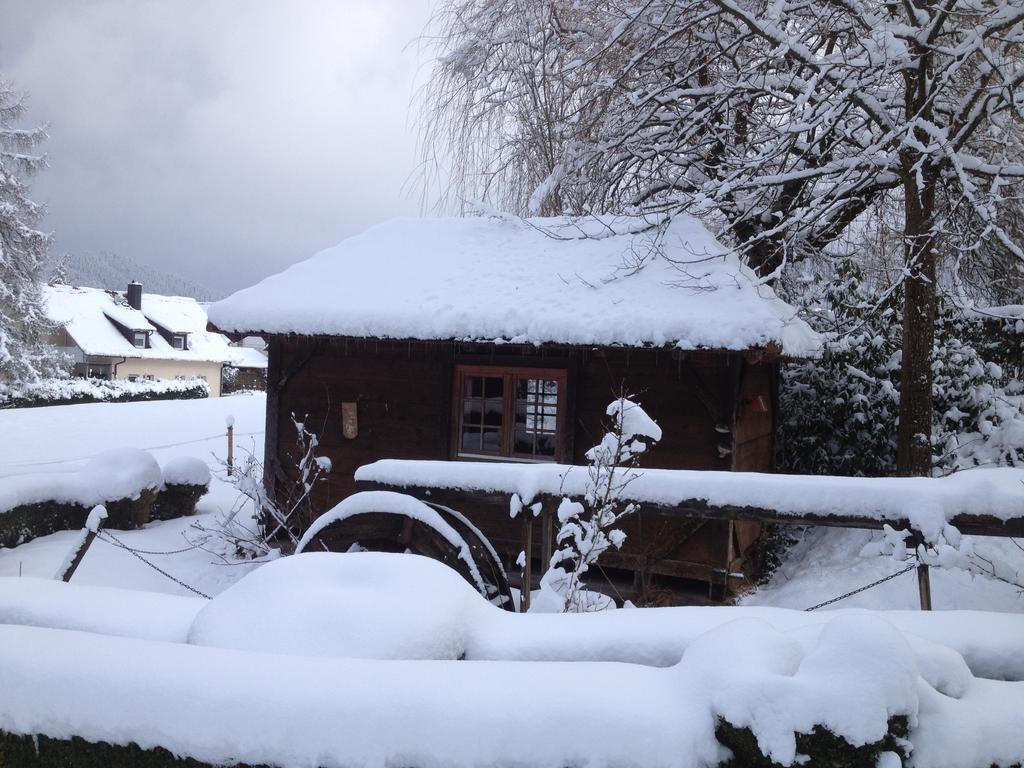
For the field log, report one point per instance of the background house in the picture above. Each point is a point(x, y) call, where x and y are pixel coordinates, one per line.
point(132, 335)
point(502, 339)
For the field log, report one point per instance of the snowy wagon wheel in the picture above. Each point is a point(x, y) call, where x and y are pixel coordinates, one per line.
point(384, 521)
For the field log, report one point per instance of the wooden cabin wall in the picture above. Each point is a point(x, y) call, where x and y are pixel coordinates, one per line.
point(753, 445)
point(753, 448)
point(402, 406)
point(403, 393)
point(687, 395)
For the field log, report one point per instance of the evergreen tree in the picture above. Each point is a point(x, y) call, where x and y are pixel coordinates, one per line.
point(24, 355)
point(841, 412)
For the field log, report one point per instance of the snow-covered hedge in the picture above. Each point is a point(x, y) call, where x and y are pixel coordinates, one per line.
point(124, 480)
point(72, 391)
point(127, 481)
point(185, 480)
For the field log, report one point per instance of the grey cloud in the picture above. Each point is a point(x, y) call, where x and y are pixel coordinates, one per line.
point(218, 140)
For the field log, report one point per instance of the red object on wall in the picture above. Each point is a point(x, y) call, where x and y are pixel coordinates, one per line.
point(757, 404)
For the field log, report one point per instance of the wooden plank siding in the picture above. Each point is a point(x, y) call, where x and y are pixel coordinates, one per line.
point(404, 400)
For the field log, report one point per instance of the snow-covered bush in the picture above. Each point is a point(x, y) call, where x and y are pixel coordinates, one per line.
point(186, 480)
point(840, 412)
point(71, 391)
point(124, 480)
point(587, 527)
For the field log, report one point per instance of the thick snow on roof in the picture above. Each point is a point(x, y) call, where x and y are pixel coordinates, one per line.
point(592, 281)
point(247, 357)
point(87, 315)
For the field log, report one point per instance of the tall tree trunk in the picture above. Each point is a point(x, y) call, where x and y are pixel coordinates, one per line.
point(913, 448)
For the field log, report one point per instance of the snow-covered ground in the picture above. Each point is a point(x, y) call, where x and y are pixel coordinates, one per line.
point(181, 672)
point(825, 563)
point(64, 438)
point(212, 686)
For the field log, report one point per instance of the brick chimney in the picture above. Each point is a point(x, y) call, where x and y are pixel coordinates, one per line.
point(134, 295)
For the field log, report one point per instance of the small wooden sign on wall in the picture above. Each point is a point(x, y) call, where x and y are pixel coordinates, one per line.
point(349, 421)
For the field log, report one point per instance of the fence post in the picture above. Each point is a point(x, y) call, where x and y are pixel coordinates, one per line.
point(230, 421)
point(527, 585)
point(85, 539)
point(924, 587)
point(924, 584)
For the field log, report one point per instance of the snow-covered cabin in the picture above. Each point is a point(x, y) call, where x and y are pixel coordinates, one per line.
point(497, 338)
point(135, 335)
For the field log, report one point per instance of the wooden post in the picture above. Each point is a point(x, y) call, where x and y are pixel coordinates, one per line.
point(527, 585)
point(924, 587)
point(924, 584)
point(85, 540)
point(546, 536)
point(231, 445)
point(721, 546)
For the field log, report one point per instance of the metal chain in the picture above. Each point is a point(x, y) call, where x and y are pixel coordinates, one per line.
point(121, 544)
point(884, 579)
point(106, 537)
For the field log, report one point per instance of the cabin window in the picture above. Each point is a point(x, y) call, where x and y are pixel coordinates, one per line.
point(514, 413)
point(139, 339)
point(178, 341)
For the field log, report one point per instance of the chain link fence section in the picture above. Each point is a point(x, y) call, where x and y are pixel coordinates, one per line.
point(866, 587)
point(115, 542)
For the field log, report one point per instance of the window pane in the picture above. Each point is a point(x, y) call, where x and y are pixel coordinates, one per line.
point(492, 440)
point(546, 445)
point(523, 442)
point(472, 412)
point(494, 387)
point(473, 386)
point(493, 412)
point(470, 439)
point(536, 418)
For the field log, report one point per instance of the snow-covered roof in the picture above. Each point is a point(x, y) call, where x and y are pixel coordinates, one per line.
point(129, 317)
point(606, 281)
point(247, 357)
point(89, 316)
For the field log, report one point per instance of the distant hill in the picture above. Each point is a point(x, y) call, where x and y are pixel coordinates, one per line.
point(114, 272)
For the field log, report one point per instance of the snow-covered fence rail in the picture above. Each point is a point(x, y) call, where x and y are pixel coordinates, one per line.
point(984, 502)
point(932, 512)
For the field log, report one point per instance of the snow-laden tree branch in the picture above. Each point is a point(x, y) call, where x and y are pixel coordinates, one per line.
point(780, 123)
point(588, 526)
point(259, 523)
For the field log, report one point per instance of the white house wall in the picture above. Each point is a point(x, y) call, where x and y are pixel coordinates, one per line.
point(170, 369)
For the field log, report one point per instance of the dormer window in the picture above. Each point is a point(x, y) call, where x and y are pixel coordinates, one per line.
point(179, 341)
point(139, 339)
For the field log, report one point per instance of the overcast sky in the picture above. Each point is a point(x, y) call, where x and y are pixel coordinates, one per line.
point(218, 140)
